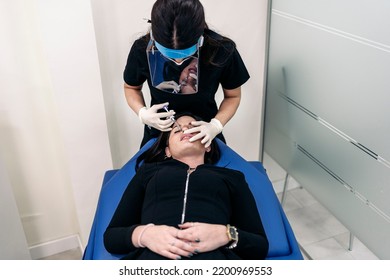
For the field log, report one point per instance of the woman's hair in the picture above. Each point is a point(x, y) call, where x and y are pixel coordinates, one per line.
point(156, 153)
point(178, 24)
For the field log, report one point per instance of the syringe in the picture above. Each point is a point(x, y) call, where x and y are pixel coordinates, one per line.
point(172, 118)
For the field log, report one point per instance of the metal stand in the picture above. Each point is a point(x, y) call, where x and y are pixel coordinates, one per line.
point(285, 186)
point(351, 239)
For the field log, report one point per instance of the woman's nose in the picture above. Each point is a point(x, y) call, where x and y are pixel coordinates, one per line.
point(186, 126)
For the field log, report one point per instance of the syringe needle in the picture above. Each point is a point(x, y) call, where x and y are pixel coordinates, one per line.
point(173, 118)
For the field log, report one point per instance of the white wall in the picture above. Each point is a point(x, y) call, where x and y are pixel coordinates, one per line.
point(62, 107)
point(70, 48)
point(53, 133)
point(13, 241)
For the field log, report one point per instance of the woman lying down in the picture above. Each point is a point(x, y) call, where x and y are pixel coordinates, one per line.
point(179, 205)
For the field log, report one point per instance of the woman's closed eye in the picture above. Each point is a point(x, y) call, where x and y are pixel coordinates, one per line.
point(176, 129)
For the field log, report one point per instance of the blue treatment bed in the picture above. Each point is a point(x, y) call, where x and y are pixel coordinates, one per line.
point(282, 242)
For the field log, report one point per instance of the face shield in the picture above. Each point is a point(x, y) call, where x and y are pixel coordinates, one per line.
point(174, 71)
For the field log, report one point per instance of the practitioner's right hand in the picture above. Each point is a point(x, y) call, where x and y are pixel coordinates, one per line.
point(164, 241)
point(158, 120)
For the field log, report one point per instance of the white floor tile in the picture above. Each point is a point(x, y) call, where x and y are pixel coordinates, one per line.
point(359, 251)
point(290, 202)
point(320, 234)
point(314, 223)
point(74, 254)
point(328, 249)
point(303, 196)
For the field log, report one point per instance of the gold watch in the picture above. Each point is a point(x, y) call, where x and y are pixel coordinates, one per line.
point(232, 234)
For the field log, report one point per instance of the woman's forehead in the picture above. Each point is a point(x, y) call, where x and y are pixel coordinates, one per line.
point(185, 119)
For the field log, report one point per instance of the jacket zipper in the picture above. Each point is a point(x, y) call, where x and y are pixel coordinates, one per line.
point(183, 214)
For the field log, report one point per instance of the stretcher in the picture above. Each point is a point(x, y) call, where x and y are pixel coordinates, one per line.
point(282, 242)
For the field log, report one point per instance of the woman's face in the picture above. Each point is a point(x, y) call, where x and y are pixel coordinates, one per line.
point(178, 142)
point(189, 78)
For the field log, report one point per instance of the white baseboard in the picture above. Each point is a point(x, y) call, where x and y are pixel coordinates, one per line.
point(54, 247)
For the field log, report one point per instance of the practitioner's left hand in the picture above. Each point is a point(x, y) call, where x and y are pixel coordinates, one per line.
point(205, 130)
point(203, 237)
point(169, 85)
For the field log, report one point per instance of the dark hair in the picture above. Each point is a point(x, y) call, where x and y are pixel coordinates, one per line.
point(156, 153)
point(216, 49)
point(177, 24)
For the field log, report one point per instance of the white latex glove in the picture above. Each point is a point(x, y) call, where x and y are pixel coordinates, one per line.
point(169, 85)
point(161, 121)
point(205, 130)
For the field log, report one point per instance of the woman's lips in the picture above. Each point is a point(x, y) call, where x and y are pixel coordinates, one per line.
point(186, 136)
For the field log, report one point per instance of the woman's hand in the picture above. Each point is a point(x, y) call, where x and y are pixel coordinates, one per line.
point(164, 241)
point(203, 237)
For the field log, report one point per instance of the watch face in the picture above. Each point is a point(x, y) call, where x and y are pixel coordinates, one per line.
point(233, 233)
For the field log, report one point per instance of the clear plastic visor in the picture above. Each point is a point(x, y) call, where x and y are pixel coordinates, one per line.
point(178, 76)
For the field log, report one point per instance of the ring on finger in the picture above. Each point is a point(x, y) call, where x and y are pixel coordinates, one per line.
point(197, 240)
